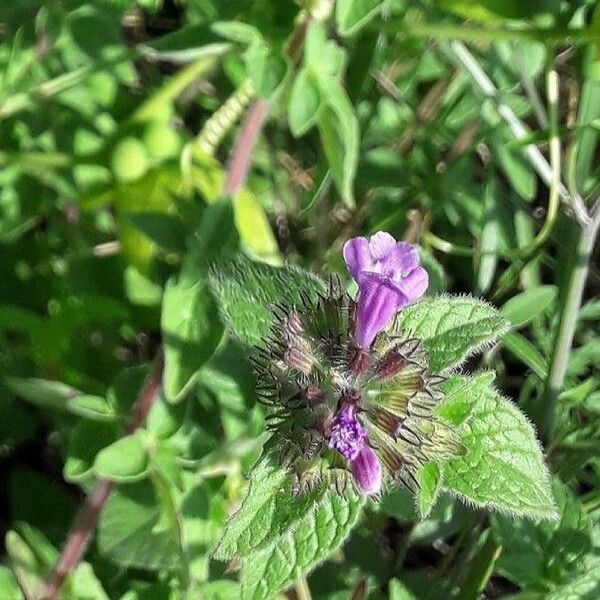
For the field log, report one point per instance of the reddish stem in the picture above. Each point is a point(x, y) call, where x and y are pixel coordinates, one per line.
point(85, 522)
point(242, 152)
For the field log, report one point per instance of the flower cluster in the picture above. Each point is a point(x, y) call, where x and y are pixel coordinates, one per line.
point(344, 385)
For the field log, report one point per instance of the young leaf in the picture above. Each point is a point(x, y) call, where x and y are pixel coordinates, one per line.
point(524, 307)
point(504, 467)
point(190, 333)
point(430, 482)
point(124, 460)
point(525, 351)
point(246, 291)
point(451, 328)
point(339, 132)
point(305, 100)
point(279, 536)
point(460, 395)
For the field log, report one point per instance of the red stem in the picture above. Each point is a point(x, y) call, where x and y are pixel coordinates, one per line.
point(85, 522)
point(242, 152)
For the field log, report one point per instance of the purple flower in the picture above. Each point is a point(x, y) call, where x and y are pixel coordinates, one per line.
point(349, 438)
point(389, 278)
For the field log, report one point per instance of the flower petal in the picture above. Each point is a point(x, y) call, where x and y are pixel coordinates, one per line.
point(367, 471)
point(415, 284)
point(378, 302)
point(357, 256)
point(381, 244)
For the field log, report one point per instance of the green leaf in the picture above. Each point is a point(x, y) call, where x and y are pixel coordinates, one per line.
point(546, 552)
point(504, 467)
point(524, 307)
point(451, 328)
point(128, 531)
point(525, 351)
point(190, 333)
point(267, 69)
point(340, 136)
point(304, 104)
point(460, 395)
point(85, 440)
point(518, 171)
point(583, 587)
point(351, 15)
point(279, 536)
point(245, 292)
point(9, 586)
point(57, 395)
point(430, 482)
point(165, 230)
point(490, 239)
point(125, 460)
point(398, 591)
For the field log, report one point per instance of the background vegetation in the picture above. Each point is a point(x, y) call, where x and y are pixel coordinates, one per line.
point(140, 142)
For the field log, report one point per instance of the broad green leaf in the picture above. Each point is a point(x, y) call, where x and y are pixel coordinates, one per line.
point(588, 142)
point(430, 482)
point(280, 536)
point(304, 103)
point(524, 307)
point(125, 460)
point(460, 395)
point(548, 552)
point(504, 467)
point(128, 532)
point(350, 15)
point(525, 351)
point(245, 292)
point(190, 333)
point(340, 136)
point(451, 328)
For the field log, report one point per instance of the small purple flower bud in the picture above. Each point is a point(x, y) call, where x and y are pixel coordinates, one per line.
point(366, 469)
point(347, 434)
point(389, 278)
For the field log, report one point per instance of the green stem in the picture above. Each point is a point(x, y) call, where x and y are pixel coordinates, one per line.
point(530, 252)
point(575, 286)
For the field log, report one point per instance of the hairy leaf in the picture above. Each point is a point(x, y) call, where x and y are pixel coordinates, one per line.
point(279, 536)
point(504, 468)
point(246, 292)
point(451, 327)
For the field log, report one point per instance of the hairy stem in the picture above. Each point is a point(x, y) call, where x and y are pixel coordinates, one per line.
point(85, 522)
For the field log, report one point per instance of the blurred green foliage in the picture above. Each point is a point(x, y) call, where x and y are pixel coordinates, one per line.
point(118, 122)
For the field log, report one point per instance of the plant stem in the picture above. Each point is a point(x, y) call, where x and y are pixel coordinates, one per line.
point(85, 522)
point(302, 590)
point(567, 323)
point(531, 251)
point(466, 60)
